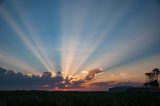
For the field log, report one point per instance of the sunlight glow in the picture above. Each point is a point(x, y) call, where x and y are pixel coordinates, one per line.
point(78, 46)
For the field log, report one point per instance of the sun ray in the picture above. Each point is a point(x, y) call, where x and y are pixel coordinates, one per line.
point(71, 36)
point(34, 36)
point(70, 44)
point(23, 37)
point(10, 62)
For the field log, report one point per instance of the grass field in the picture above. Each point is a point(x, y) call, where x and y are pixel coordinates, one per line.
point(46, 98)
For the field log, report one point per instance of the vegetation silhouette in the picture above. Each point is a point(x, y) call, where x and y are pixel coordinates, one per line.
point(48, 98)
point(102, 98)
point(152, 78)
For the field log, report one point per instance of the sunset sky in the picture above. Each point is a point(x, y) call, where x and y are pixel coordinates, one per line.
point(96, 44)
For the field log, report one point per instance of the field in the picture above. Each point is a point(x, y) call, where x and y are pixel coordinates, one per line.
point(46, 98)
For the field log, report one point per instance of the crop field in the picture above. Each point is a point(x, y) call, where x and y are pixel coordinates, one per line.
point(46, 98)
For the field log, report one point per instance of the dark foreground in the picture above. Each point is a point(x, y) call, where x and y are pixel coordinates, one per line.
point(44, 98)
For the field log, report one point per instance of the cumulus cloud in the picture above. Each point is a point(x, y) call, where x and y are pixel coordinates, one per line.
point(91, 74)
point(123, 74)
point(11, 80)
point(71, 82)
point(15, 80)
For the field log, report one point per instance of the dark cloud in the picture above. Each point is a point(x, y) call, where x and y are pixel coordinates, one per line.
point(16, 80)
point(71, 83)
point(91, 74)
point(12, 80)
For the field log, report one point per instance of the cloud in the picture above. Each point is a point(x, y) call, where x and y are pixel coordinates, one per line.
point(77, 83)
point(91, 74)
point(123, 74)
point(15, 80)
point(11, 80)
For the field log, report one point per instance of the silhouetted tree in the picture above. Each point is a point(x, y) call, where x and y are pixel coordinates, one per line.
point(152, 78)
point(156, 73)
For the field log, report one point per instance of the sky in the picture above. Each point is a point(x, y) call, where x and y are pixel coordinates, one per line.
point(95, 44)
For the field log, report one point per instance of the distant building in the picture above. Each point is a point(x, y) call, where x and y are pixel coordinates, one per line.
point(133, 89)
